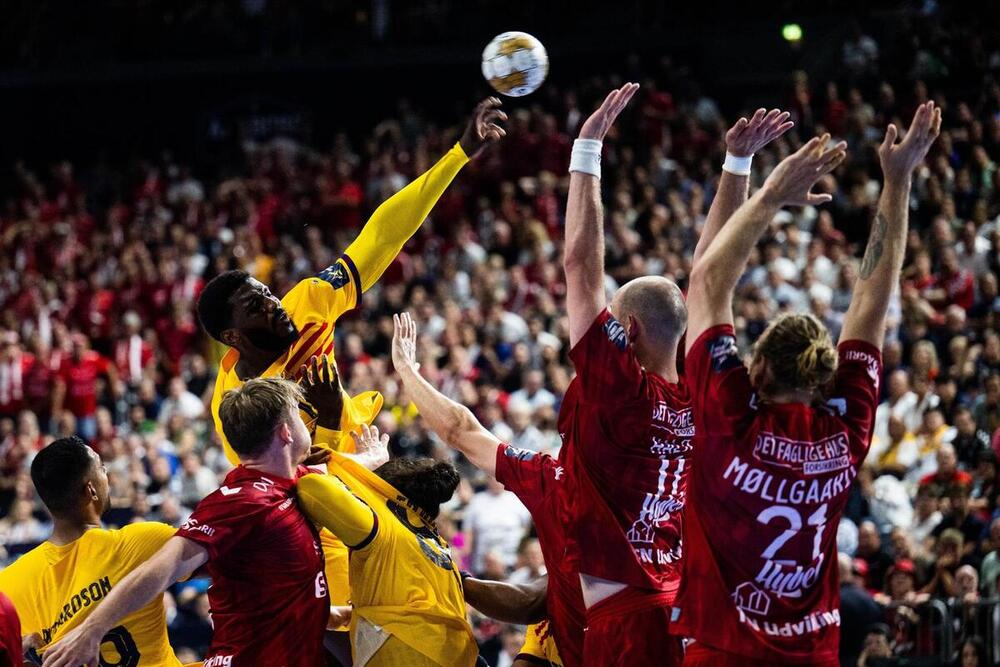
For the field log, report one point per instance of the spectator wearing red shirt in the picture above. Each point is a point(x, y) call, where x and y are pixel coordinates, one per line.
point(76, 385)
point(15, 366)
point(947, 475)
point(132, 355)
point(952, 285)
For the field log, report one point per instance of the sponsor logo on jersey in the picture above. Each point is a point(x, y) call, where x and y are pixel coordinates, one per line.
point(663, 448)
point(615, 332)
point(229, 491)
point(89, 595)
point(751, 599)
point(723, 353)
point(219, 661)
point(519, 454)
point(681, 422)
point(807, 457)
point(871, 363)
point(336, 276)
point(192, 525)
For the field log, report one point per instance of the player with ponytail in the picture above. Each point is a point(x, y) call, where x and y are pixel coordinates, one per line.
point(778, 444)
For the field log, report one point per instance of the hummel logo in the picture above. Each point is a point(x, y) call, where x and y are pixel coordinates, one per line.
point(226, 491)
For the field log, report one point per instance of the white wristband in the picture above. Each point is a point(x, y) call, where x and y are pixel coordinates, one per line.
point(737, 165)
point(586, 157)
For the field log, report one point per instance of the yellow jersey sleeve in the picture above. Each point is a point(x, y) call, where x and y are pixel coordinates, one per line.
point(540, 646)
point(330, 503)
point(139, 541)
point(324, 297)
point(399, 217)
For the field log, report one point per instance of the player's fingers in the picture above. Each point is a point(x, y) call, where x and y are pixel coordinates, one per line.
point(832, 162)
point(314, 369)
point(385, 438)
point(771, 116)
point(891, 133)
point(781, 129)
point(936, 124)
point(758, 115)
point(816, 199)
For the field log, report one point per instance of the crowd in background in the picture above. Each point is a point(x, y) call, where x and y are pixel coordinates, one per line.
point(99, 335)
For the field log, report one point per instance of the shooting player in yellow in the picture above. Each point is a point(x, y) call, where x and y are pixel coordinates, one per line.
point(271, 338)
point(57, 585)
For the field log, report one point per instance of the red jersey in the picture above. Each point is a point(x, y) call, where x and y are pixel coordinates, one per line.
point(268, 596)
point(10, 635)
point(536, 480)
point(769, 486)
point(80, 377)
point(626, 441)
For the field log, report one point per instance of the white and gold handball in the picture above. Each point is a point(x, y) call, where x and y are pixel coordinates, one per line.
point(515, 63)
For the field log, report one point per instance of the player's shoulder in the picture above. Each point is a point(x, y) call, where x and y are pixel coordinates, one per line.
point(23, 570)
point(143, 531)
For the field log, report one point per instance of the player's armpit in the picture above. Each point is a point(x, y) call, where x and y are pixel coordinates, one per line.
point(330, 503)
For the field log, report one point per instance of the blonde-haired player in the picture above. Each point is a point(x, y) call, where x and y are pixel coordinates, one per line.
point(58, 584)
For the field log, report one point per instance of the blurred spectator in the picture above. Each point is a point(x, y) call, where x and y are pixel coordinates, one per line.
point(496, 522)
point(857, 612)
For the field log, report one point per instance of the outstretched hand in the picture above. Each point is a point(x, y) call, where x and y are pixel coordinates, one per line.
point(404, 342)
point(747, 137)
point(597, 126)
point(792, 180)
point(899, 160)
point(370, 449)
point(80, 646)
point(484, 127)
point(321, 382)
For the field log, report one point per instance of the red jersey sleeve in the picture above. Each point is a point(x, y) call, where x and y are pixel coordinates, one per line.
point(605, 364)
point(856, 386)
point(528, 475)
point(222, 520)
point(721, 393)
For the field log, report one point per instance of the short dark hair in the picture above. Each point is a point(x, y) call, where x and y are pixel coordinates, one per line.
point(58, 473)
point(250, 413)
point(214, 309)
point(425, 482)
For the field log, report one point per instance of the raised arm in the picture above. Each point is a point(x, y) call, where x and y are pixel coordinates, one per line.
point(398, 218)
point(510, 603)
point(177, 559)
point(714, 278)
point(883, 260)
point(584, 258)
point(454, 423)
point(743, 139)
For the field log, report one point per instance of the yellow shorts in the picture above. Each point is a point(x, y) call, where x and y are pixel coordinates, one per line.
point(540, 646)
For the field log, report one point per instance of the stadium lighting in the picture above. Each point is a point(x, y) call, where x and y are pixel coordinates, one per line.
point(792, 32)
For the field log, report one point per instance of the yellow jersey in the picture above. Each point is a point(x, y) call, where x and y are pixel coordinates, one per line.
point(55, 588)
point(314, 306)
point(540, 646)
point(406, 588)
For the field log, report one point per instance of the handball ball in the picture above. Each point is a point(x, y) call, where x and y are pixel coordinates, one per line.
point(515, 63)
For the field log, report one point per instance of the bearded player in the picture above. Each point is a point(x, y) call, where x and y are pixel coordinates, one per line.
point(626, 420)
point(779, 444)
point(58, 584)
point(272, 338)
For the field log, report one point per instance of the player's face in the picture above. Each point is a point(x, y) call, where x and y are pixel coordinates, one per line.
point(301, 439)
point(99, 480)
point(260, 319)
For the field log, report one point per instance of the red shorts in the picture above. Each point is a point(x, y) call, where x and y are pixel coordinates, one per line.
point(631, 629)
point(699, 655)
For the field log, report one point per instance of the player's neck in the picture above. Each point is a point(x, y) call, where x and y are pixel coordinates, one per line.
point(253, 362)
point(665, 367)
point(272, 463)
point(66, 531)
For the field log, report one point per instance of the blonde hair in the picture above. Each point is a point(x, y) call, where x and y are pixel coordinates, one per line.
point(799, 353)
point(251, 413)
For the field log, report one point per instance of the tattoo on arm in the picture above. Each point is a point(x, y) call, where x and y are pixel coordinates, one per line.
point(876, 246)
